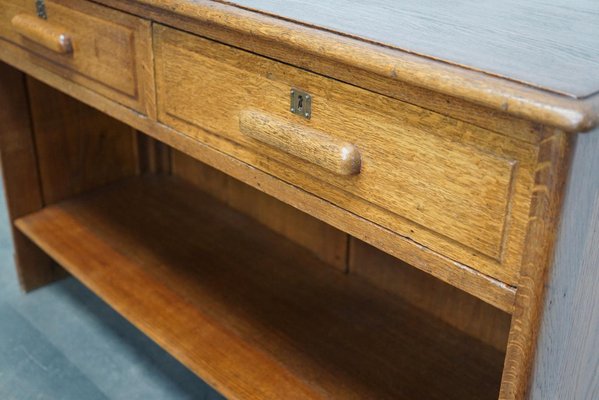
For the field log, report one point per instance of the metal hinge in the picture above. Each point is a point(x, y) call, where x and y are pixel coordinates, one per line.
point(40, 7)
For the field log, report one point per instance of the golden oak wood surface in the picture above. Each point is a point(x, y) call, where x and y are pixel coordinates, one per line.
point(316, 147)
point(453, 306)
point(480, 181)
point(376, 67)
point(549, 44)
point(459, 275)
point(258, 317)
point(110, 50)
point(42, 32)
point(249, 31)
point(472, 100)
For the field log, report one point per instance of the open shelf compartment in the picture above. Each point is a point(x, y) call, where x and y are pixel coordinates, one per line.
point(252, 313)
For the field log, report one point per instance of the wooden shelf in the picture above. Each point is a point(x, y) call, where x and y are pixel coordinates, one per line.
point(255, 315)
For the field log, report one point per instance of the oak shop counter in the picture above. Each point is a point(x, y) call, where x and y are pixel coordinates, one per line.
point(301, 206)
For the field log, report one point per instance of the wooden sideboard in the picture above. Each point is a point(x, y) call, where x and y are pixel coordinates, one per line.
point(313, 199)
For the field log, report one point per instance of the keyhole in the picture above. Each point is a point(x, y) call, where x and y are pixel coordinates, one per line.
point(300, 102)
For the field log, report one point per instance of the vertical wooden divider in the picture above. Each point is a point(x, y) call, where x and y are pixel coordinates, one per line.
point(154, 156)
point(54, 147)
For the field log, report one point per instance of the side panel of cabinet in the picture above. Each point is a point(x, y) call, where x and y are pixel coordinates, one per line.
point(21, 178)
point(54, 147)
point(567, 362)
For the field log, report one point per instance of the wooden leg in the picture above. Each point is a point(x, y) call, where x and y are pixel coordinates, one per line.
point(21, 177)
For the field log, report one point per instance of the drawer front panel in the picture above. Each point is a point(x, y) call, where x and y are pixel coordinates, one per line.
point(110, 51)
point(452, 187)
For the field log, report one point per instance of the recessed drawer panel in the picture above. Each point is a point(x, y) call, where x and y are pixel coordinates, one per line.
point(103, 49)
point(452, 187)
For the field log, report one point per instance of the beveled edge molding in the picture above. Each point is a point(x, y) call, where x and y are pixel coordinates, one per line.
point(499, 94)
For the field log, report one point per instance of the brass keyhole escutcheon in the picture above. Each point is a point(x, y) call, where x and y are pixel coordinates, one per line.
point(40, 8)
point(301, 103)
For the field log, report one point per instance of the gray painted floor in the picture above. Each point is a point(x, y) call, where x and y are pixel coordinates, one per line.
point(62, 342)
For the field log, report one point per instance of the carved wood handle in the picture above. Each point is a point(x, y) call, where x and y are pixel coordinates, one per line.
point(43, 33)
point(309, 144)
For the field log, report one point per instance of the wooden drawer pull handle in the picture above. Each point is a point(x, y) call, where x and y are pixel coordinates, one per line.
point(43, 33)
point(309, 144)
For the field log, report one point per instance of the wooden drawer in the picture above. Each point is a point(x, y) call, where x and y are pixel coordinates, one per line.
point(103, 49)
point(460, 190)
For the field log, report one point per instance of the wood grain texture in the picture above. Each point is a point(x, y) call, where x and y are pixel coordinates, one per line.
point(317, 147)
point(110, 52)
point(453, 306)
point(567, 361)
point(324, 241)
point(461, 276)
point(21, 178)
point(429, 178)
point(44, 33)
point(252, 313)
point(376, 67)
point(550, 44)
point(78, 148)
point(551, 174)
point(549, 163)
